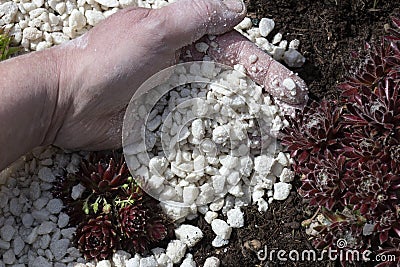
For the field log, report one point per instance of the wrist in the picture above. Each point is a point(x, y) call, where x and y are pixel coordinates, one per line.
point(29, 96)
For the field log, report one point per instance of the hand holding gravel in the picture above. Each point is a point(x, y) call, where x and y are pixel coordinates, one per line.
point(74, 95)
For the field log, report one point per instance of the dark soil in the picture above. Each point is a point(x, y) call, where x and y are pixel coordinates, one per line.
point(332, 33)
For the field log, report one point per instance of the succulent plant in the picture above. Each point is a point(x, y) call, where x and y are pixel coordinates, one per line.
point(112, 212)
point(322, 180)
point(312, 131)
point(372, 189)
point(97, 238)
point(104, 177)
point(348, 155)
point(140, 227)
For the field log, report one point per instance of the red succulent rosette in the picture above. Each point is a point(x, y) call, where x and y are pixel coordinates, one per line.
point(97, 238)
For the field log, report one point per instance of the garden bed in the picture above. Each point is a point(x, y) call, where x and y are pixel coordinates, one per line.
point(332, 36)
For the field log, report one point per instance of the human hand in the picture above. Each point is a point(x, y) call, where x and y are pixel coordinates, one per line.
point(101, 70)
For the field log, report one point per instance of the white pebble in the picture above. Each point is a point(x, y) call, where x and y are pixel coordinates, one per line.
point(189, 234)
point(77, 20)
point(93, 17)
point(188, 261)
point(266, 26)
point(219, 242)
point(176, 250)
point(104, 263)
point(221, 228)
point(210, 216)
point(263, 164)
point(289, 84)
point(281, 190)
point(235, 218)
point(286, 175)
point(108, 3)
point(149, 261)
point(212, 262)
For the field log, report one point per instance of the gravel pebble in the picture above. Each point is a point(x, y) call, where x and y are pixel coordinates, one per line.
point(54, 206)
point(212, 262)
point(46, 228)
point(7, 232)
point(59, 248)
point(18, 245)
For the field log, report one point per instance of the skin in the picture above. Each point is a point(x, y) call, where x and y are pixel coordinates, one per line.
point(74, 95)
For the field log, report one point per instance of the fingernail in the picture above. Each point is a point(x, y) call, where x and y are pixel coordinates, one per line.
point(234, 5)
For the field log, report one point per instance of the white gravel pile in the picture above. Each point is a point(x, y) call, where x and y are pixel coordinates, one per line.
point(33, 231)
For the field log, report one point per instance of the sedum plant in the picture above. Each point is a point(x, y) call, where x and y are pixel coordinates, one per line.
point(347, 153)
point(110, 211)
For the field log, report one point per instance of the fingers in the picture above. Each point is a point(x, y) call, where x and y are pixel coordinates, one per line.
point(233, 48)
point(185, 21)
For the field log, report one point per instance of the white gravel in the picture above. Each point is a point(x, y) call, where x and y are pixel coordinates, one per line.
point(34, 231)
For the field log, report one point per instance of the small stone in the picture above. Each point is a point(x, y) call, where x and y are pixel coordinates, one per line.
point(219, 242)
point(68, 232)
point(77, 191)
point(7, 232)
point(217, 204)
point(46, 228)
point(93, 17)
point(104, 263)
point(63, 220)
point(4, 244)
point(108, 3)
point(210, 216)
point(188, 261)
point(40, 262)
point(31, 238)
point(134, 262)
point(221, 228)
point(148, 262)
point(34, 192)
point(263, 164)
point(45, 174)
point(176, 250)
point(286, 175)
point(201, 47)
point(40, 215)
point(245, 24)
point(15, 207)
point(289, 84)
point(189, 234)
point(18, 245)
point(45, 241)
point(294, 58)
point(9, 257)
point(59, 37)
point(266, 26)
point(281, 190)
point(77, 20)
point(59, 248)
point(235, 218)
point(54, 206)
point(212, 262)
point(120, 257)
point(8, 11)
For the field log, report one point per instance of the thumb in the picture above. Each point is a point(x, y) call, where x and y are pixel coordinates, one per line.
point(186, 21)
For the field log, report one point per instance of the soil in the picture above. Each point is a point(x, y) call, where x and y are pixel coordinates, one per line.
point(333, 34)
